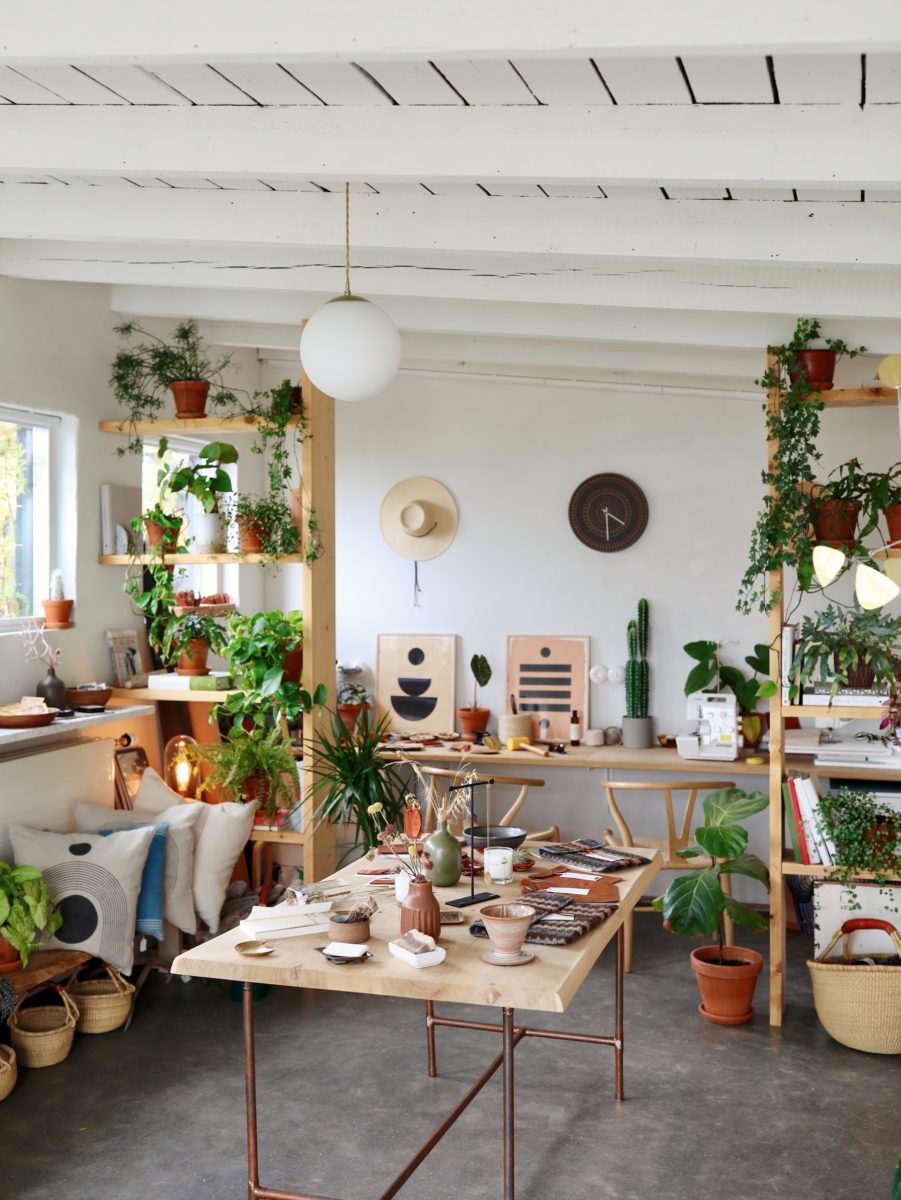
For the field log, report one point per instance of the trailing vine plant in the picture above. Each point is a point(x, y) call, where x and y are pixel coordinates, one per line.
point(866, 838)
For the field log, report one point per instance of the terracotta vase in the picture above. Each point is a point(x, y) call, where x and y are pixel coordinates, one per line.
point(57, 613)
point(893, 521)
point(53, 690)
point(190, 398)
point(161, 534)
point(443, 851)
point(835, 522)
point(817, 367)
point(9, 957)
point(473, 720)
point(293, 665)
point(251, 534)
point(726, 991)
point(195, 662)
point(420, 910)
point(349, 714)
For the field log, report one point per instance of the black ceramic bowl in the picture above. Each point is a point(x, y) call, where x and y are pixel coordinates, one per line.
point(496, 835)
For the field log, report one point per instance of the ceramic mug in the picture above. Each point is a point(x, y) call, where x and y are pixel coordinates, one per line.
point(498, 864)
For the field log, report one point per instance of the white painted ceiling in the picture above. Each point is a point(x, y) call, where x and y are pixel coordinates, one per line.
point(563, 190)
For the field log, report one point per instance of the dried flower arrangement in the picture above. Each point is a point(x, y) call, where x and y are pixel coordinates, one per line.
point(362, 910)
point(36, 645)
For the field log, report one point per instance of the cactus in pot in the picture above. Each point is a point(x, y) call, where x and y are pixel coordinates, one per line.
point(57, 609)
point(638, 731)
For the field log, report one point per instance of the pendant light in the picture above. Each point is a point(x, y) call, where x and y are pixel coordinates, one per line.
point(350, 348)
point(871, 587)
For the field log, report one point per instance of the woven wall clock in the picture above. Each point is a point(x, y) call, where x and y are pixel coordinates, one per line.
point(608, 512)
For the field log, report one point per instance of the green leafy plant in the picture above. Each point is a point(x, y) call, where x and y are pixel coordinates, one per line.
point(142, 374)
point(261, 706)
point(835, 641)
point(25, 908)
point(637, 667)
point(154, 602)
point(272, 518)
point(808, 330)
point(351, 776)
point(694, 903)
point(258, 754)
point(866, 838)
point(351, 692)
point(207, 479)
point(192, 627)
point(709, 674)
point(256, 646)
point(481, 673)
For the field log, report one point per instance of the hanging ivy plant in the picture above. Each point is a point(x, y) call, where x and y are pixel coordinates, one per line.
point(866, 838)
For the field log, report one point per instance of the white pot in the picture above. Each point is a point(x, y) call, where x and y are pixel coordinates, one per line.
point(401, 886)
point(207, 532)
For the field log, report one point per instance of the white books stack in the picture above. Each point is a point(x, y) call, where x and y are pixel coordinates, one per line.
point(286, 920)
point(820, 846)
point(855, 753)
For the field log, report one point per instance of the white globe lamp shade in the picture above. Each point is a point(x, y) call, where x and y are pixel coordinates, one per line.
point(873, 589)
point(827, 564)
point(350, 348)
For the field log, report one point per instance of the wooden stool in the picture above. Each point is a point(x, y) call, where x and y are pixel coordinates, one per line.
point(443, 778)
point(671, 842)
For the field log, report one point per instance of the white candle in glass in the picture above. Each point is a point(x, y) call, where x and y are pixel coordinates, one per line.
point(498, 864)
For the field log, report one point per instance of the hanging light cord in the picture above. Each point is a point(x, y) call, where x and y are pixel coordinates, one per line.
point(346, 239)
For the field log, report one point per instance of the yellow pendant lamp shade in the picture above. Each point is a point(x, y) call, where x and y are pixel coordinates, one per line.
point(873, 589)
point(827, 564)
point(890, 371)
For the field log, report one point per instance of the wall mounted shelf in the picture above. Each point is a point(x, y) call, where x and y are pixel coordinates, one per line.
point(157, 694)
point(126, 560)
point(204, 426)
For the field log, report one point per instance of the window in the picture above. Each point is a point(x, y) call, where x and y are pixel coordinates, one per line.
point(26, 527)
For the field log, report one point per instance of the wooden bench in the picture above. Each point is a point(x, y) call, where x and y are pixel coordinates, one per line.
point(44, 966)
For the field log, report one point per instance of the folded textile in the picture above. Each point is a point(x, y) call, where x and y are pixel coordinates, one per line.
point(601, 890)
point(593, 856)
point(581, 917)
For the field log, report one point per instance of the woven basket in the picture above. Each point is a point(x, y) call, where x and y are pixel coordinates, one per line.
point(8, 1071)
point(103, 1004)
point(43, 1036)
point(859, 1006)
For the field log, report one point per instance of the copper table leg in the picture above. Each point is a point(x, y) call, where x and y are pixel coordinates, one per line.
point(430, 1037)
point(618, 1012)
point(509, 1131)
point(250, 1094)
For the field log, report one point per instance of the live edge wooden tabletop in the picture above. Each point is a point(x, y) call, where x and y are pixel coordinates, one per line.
point(547, 984)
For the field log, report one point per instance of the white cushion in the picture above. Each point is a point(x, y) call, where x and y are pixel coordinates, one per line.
point(178, 878)
point(94, 881)
point(220, 835)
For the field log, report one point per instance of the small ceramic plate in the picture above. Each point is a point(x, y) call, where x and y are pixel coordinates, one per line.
point(254, 949)
point(341, 960)
point(508, 960)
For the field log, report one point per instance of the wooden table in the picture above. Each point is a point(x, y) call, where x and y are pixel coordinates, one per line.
point(547, 984)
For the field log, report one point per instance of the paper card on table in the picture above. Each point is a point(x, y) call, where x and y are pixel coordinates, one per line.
point(558, 917)
point(569, 891)
point(578, 875)
point(345, 950)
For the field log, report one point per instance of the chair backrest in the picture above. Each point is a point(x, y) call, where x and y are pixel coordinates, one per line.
point(441, 774)
point(675, 840)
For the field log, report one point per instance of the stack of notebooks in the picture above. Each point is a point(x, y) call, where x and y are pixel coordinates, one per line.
point(853, 753)
point(286, 920)
point(807, 830)
point(216, 681)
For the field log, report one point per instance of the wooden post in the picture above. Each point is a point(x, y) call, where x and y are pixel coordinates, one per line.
point(777, 886)
point(318, 466)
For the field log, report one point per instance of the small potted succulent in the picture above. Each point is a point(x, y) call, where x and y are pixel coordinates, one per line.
point(26, 911)
point(475, 719)
point(57, 609)
point(695, 903)
point(189, 639)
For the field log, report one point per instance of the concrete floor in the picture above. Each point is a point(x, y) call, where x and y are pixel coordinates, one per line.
point(736, 1114)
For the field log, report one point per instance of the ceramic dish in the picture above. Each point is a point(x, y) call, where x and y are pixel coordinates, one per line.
point(254, 949)
point(519, 959)
point(88, 695)
point(496, 835)
point(27, 720)
point(343, 960)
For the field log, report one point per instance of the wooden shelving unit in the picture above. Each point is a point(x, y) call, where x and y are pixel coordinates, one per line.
point(317, 602)
point(782, 861)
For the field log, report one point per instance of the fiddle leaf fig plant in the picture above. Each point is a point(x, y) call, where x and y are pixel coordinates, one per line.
point(26, 909)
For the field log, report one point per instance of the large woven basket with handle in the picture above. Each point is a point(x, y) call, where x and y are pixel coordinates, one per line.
point(43, 1036)
point(8, 1071)
point(860, 1006)
point(103, 1004)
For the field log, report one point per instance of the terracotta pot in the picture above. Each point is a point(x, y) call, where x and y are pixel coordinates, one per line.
point(473, 720)
point(835, 522)
point(9, 957)
point(57, 613)
point(349, 713)
point(507, 925)
point(195, 662)
point(726, 991)
point(893, 521)
point(251, 533)
point(293, 665)
point(861, 676)
point(753, 727)
point(420, 910)
point(817, 367)
point(256, 788)
point(190, 398)
point(159, 534)
point(883, 835)
point(296, 398)
point(354, 933)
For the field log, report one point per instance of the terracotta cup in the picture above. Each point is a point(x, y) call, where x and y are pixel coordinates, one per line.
point(506, 925)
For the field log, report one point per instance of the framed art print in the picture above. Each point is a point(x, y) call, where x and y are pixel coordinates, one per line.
point(548, 676)
point(416, 684)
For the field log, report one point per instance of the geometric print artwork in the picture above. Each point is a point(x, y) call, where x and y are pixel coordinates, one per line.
point(95, 883)
point(416, 681)
point(548, 676)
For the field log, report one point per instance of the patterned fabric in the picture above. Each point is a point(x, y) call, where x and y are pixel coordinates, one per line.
point(149, 915)
point(550, 931)
point(589, 855)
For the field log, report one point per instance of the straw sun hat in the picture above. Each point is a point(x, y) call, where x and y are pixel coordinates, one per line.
point(418, 518)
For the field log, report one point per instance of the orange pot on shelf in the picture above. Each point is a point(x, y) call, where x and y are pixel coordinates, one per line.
point(293, 665)
point(473, 720)
point(190, 397)
point(9, 957)
point(727, 991)
point(57, 613)
point(817, 367)
point(195, 662)
point(835, 522)
point(158, 534)
point(893, 521)
point(251, 533)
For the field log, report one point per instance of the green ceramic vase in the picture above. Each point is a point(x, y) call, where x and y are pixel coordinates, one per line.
point(443, 851)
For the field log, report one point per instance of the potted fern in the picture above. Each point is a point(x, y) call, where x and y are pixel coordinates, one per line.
point(26, 911)
point(475, 719)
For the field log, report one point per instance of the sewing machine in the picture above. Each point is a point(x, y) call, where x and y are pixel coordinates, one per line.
point(717, 734)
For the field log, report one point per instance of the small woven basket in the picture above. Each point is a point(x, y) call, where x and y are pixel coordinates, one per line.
point(103, 1004)
point(43, 1036)
point(8, 1071)
point(859, 1006)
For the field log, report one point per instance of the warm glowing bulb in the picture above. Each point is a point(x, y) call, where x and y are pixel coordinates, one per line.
point(827, 564)
point(182, 774)
point(873, 589)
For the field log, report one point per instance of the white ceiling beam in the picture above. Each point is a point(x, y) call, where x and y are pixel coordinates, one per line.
point(209, 31)
point(772, 145)
point(681, 229)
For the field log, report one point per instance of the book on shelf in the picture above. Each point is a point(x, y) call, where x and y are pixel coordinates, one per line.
point(821, 694)
point(809, 851)
point(216, 681)
point(283, 921)
point(809, 834)
point(793, 822)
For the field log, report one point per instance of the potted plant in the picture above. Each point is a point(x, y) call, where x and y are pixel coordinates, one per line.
point(351, 775)
point(836, 505)
point(475, 719)
point(694, 904)
point(189, 639)
point(206, 480)
point(248, 765)
point(846, 647)
point(265, 527)
point(638, 729)
point(866, 837)
point(884, 498)
point(152, 593)
point(25, 912)
point(709, 674)
point(57, 609)
point(352, 700)
point(265, 650)
point(142, 375)
point(816, 365)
